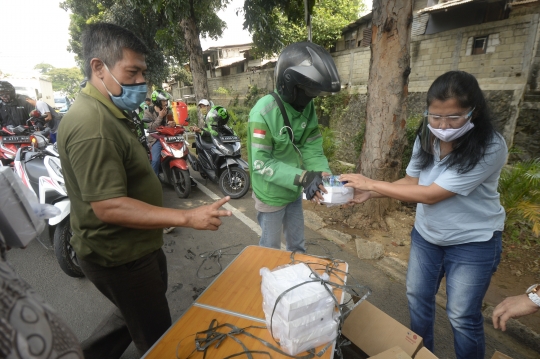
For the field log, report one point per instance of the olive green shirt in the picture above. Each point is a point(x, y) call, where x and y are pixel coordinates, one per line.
point(103, 159)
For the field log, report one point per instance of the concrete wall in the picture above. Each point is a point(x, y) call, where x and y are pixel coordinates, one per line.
point(238, 84)
point(507, 72)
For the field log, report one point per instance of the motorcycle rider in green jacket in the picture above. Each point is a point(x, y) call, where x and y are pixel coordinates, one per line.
point(284, 159)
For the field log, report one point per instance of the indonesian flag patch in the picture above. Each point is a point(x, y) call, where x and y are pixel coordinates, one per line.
point(259, 133)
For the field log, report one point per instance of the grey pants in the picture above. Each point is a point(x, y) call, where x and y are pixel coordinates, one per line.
point(141, 313)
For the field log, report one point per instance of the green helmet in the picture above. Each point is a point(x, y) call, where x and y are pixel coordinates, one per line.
point(160, 95)
point(218, 115)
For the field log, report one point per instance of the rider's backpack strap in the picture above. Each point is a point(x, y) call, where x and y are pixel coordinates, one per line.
point(284, 114)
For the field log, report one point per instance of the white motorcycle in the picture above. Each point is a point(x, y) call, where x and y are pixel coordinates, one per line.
point(38, 165)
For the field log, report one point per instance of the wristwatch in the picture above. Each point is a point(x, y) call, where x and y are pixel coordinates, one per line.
point(532, 292)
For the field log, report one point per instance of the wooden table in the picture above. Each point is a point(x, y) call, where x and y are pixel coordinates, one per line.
point(234, 297)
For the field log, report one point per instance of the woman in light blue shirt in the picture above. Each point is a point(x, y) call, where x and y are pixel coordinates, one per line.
point(453, 176)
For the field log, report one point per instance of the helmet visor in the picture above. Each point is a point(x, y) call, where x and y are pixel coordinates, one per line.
point(310, 91)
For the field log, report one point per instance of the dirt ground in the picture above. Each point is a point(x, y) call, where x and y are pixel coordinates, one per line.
point(519, 267)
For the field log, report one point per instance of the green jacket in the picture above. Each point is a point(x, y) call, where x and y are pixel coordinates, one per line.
point(275, 165)
point(209, 129)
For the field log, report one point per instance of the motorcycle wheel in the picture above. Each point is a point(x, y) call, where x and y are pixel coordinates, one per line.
point(182, 182)
point(237, 185)
point(65, 254)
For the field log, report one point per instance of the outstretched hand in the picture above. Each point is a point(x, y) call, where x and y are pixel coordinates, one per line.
point(357, 181)
point(512, 307)
point(359, 197)
point(208, 217)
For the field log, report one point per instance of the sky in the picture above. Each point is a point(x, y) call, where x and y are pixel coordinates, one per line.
point(36, 31)
point(33, 31)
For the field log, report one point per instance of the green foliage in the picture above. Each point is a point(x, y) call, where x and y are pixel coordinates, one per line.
point(180, 74)
point(193, 115)
point(276, 23)
point(66, 80)
point(222, 91)
point(329, 143)
point(519, 187)
point(43, 68)
point(358, 139)
point(63, 79)
point(334, 105)
point(253, 95)
point(164, 42)
point(410, 132)
point(239, 123)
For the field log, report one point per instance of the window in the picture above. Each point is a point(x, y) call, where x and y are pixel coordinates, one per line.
point(350, 40)
point(366, 38)
point(479, 45)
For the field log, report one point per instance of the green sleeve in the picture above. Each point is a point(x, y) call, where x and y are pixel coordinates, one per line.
point(312, 152)
point(263, 165)
point(209, 130)
point(103, 183)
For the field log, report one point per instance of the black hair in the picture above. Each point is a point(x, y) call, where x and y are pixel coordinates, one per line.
point(106, 42)
point(148, 99)
point(468, 149)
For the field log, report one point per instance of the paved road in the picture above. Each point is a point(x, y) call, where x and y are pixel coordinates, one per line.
point(82, 306)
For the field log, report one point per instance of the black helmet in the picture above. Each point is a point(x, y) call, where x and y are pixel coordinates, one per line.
point(7, 89)
point(160, 95)
point(307, 66)
point(218, 115)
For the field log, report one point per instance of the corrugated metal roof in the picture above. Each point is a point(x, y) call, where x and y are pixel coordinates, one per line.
point(229, 61)
point(419, 24)
point(354, 24)
point(444, 5)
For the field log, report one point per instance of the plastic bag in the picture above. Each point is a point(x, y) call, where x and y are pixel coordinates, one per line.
point(303, 317)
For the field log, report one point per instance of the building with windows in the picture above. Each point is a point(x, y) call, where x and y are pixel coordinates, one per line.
point(495, 40)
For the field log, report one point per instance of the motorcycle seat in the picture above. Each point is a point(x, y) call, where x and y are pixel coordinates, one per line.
point(204, 144)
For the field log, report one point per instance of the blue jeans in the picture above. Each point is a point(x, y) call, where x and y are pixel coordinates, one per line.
point(291, 219)
point(468, 269)
point(156, 156)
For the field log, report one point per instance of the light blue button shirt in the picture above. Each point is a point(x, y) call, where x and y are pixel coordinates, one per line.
point(475, 212)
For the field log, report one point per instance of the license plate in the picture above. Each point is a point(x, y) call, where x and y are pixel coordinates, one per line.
point(174, 139)
point(16, 139)
point(229, 139)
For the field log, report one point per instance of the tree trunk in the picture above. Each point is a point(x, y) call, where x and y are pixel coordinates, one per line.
point(196, 64)
point(389, 70)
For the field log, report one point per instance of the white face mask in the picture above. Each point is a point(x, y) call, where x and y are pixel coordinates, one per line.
point(450, 134)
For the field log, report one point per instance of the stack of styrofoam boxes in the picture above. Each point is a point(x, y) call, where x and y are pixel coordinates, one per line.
point(303, 317)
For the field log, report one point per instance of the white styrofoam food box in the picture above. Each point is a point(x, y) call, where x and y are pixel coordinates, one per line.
point(336, 195)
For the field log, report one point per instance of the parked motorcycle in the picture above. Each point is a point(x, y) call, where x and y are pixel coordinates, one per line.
point(38, 165)
point(220, 161)
point(11, 139)
point(174, 155)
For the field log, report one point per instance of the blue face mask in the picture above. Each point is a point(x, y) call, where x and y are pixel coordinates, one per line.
point(131, 95)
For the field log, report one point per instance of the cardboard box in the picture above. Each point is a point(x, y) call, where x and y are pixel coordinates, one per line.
point(374, 331)
point(392, 353)
point(424, 353)
point(499, 355)
point(377, 335)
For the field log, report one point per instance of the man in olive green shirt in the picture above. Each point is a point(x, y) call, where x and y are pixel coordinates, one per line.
point(116, 213)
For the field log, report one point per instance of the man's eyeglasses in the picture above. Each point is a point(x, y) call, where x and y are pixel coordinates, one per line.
point(448, 119)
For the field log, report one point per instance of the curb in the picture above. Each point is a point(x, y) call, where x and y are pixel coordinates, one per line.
point(397, 269)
